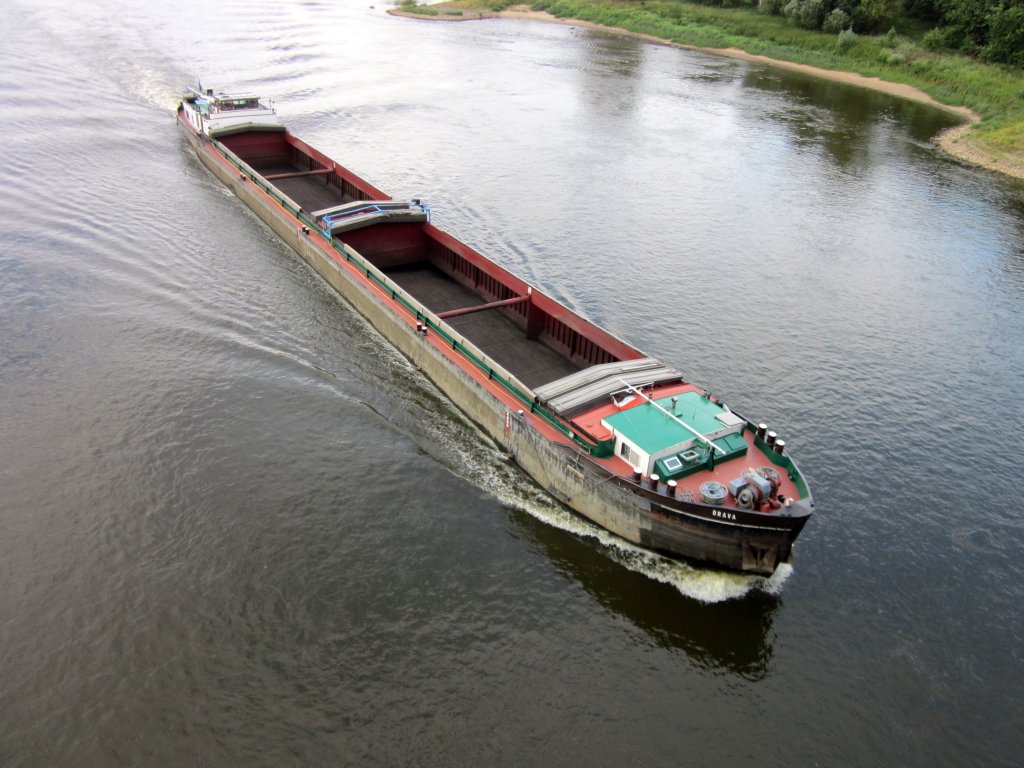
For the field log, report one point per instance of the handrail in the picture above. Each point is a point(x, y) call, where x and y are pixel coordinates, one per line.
point(494, 373)
point(286, 202)
point(498, 375)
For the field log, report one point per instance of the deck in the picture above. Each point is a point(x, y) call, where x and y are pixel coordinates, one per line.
point(492, 331)
point(310, 192)
point(495, 334)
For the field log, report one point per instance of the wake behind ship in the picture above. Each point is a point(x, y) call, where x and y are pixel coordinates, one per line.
point(621, 438)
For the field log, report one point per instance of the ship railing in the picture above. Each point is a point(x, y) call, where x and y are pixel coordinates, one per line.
point(293, 208)
point(466, 349)
point(429, 320)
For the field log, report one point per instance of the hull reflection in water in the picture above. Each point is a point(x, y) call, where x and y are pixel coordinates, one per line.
point(715, 632)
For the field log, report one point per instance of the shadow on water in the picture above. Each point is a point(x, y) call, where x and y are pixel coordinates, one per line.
point(733, 636)
point(841, 118)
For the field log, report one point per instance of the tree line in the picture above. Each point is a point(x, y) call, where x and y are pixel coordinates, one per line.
point(992, 30)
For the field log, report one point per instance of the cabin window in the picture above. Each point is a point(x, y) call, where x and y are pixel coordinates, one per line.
point(624, 452)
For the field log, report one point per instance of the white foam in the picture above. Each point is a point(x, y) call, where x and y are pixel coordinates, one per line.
point(477, 459)
point(704, 584)
point(153, 88)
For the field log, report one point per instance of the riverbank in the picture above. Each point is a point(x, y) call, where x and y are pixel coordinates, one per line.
point(963, 142)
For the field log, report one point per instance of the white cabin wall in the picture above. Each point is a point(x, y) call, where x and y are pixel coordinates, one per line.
point(637, 459)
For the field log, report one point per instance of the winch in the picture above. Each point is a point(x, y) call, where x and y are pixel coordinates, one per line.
point(754, 487)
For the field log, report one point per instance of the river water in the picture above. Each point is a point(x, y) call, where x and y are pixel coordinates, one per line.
point(238, 529)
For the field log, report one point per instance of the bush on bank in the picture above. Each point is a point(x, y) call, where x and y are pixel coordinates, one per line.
point(992, 30)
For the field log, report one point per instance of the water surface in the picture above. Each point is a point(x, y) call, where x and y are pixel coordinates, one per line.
point(237, 528)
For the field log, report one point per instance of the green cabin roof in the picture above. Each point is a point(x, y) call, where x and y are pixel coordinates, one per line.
point(653, 431)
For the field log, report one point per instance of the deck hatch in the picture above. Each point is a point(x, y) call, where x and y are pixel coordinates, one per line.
point(575, 393)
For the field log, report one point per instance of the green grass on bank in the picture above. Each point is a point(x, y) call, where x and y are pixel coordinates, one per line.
point(410, 6)
point(996, 92)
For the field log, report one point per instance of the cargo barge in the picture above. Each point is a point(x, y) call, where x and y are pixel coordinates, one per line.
point(619, 437)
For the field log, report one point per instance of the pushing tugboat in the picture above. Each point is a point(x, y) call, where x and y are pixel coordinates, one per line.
point(619, 437)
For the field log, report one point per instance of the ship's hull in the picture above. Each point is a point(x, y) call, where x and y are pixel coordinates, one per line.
point(743, 541)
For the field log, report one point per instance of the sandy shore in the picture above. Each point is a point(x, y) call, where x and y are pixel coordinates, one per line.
point(958, 141)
